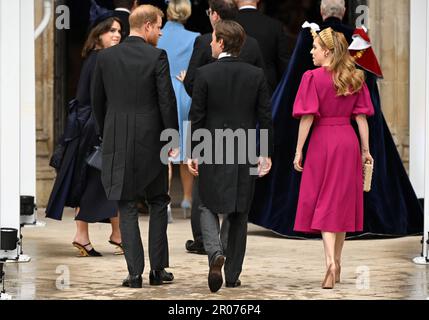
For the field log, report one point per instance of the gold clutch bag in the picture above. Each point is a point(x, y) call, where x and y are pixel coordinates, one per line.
point(368, 169)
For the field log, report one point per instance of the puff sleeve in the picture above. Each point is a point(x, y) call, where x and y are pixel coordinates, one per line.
point(307, 100)
point(363, 105)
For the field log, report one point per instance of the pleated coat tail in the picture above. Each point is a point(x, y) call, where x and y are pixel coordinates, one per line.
point(134, 102)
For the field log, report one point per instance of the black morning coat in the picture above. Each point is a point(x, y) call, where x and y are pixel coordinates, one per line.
point(133, 102)
point(272, 40)
point(202, 55)
point(229, 94)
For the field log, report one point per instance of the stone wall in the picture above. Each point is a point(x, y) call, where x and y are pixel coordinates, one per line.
point(44, 106)
point(390, 34)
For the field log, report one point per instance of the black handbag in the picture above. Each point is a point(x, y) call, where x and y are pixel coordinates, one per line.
point(95, 159)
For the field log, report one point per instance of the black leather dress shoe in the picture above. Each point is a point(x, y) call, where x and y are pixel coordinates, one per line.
point(215, 273)
point(195, 247)
point(157, 278)
point(167, 276)
point(233, 285)
point(133, 282)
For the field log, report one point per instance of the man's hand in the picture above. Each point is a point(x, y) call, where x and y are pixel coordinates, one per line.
point(193, 167)
point(181, 77)
point(264, 166)
point(174, 153)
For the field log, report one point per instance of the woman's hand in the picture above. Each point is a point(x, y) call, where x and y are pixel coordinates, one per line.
point(181, 77)
point(174, 153)
point(193, 167)
point(366, 157)
point(297, 163)
point(304, 130)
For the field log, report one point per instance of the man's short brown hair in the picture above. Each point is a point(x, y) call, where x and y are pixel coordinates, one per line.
point(232, 34)
point(143, 14)
point(226, 9)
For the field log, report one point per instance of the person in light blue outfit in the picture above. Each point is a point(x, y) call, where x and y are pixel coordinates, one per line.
point(179, 44)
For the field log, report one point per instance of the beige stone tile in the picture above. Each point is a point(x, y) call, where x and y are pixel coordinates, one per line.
point(275, 268)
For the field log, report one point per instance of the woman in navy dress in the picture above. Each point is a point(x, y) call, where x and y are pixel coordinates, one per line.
point(78, 185)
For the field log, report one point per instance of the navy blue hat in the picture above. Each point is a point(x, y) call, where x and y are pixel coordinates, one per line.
point(98, 14)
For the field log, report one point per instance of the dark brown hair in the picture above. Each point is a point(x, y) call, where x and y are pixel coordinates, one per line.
point(232, 34)
point(226, 9)
point(93, 39)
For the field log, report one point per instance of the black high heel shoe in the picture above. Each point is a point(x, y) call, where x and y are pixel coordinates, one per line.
point(118, 246)
point(83, 252)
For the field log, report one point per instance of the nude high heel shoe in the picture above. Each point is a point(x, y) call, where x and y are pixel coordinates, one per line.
point(329, 281)
point(186, 207)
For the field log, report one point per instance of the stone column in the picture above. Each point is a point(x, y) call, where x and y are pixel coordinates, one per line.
point(10, 87)
point(390, 35)
point(44, 105)
point(419, 94)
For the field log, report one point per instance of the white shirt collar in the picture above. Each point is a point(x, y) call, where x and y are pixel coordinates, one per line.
point(248, 7)
point(123, 10)
point(224, 55)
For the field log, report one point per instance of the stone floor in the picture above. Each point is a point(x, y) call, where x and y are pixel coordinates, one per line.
point(275, 268)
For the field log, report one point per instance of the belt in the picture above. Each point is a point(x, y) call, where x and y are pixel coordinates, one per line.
point(333, 121)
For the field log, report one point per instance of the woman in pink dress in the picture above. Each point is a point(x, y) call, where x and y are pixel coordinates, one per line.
point(331, 193)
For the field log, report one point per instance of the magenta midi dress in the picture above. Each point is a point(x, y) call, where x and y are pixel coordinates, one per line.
point(331, 192)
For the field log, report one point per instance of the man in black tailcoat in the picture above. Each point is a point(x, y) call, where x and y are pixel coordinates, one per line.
point(271, 37)
point(201, 56)
point(134, 102)
point(224, 99)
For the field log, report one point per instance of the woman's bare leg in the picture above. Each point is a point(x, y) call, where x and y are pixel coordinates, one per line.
point(116, 232)
point(329, 245)
point(82, 232)
point(187, 182)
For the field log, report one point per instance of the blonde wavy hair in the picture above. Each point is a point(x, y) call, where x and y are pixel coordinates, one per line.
point(347, 79)
point(179, 10)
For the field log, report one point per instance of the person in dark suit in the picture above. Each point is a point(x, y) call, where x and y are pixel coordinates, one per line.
point(122, 11)
point(134, 102)
point(225, 99)
point(202, 55)
point(271, 38)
